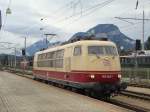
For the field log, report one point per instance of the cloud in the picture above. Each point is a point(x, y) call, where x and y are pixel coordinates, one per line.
point(26, 15)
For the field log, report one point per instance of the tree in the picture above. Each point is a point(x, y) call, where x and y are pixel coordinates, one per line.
point(148, 43)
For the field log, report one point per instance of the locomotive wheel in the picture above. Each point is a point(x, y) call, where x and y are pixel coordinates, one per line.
point(44, 81)
point(49, 82)
point(52, 83)
point(87, 92)
point(92, 94)
point(73, 89)
point(34, 78)
point(68, 88)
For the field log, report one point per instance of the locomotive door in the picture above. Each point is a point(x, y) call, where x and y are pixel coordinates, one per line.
point(68, 59)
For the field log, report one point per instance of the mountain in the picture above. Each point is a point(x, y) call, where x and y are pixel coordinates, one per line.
point(109, 31)
point(39, 45)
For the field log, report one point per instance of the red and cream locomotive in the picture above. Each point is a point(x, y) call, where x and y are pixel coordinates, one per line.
point(90, 65)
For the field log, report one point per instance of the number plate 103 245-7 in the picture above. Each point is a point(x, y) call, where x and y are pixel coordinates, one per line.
point(107, 76)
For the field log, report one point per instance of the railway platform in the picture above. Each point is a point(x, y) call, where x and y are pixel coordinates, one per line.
point(19, 94)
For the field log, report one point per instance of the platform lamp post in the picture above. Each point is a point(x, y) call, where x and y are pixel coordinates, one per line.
point(8, 11)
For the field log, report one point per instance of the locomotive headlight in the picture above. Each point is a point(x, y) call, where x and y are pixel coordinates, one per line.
point(119, 76)
point(92, 76)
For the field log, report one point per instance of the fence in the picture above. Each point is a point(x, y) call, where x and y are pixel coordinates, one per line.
point(136, 75)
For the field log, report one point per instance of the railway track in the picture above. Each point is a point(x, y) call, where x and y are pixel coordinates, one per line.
point(128, 105)
point(146, 85)
point(136, 95)
point(131, 95)
point(123, 104)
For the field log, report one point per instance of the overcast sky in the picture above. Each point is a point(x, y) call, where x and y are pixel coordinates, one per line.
point(66, 17)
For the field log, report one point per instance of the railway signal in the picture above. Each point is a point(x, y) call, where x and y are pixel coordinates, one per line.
point(23, 52)
point(138, 45)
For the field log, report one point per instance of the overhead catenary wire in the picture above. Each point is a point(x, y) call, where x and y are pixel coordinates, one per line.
point(43, 18)
point(84, 12)
point(59, 10)
point(87, 11)
point(95, 6)
point(123, 20)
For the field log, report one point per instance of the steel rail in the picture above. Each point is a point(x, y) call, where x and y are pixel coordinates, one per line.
point(128, 106)
point(136, 95)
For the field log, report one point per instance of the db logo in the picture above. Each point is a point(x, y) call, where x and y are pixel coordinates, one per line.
point(106, 62)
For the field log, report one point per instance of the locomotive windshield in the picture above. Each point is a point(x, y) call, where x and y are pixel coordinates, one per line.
point(102, 50)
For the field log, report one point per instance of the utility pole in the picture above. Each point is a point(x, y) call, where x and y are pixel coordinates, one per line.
point(48, 34)
point(143, 31)
point(24, 62)
point(143, 25)
point(25, 43)
point(15, 58)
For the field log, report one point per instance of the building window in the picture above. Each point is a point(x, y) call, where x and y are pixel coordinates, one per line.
point(77, 51)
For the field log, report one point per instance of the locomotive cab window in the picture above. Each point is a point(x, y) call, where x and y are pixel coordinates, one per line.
point(95, 50)
point(102, 50)
point(77, 51)
point(110, 50)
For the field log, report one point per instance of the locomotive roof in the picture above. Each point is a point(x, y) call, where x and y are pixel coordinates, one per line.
point(82, 42)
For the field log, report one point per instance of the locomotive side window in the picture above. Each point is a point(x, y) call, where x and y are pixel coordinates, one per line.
point(77, 51)
point(60, 54)
point(39, 56)
point(53, 54)
point(49, 55)
point(51, 59)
